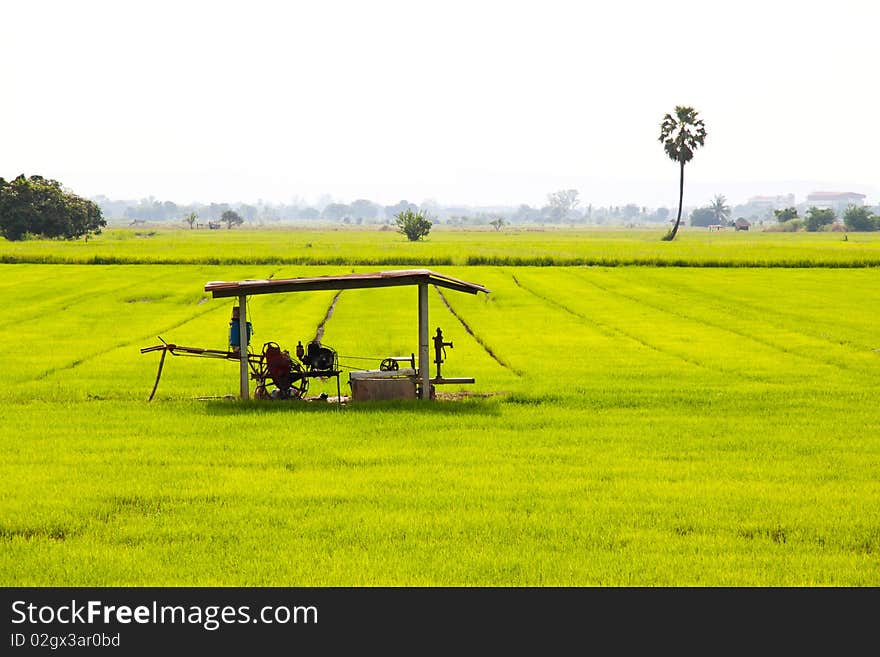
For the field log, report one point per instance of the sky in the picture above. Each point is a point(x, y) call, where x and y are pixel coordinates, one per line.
point(471, 103)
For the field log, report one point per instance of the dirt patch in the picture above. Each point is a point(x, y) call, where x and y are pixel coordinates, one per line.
point(463, 394)
point(319, 332)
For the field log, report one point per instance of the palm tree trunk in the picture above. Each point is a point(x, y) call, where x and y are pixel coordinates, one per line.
point(680, 199)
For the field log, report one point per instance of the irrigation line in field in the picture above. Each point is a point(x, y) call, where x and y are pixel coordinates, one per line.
point(613, 331)
point(476, 337)
point(723, 327)
point(319, 332)
point(717, 299)
point(69, 366)
point(38, 315)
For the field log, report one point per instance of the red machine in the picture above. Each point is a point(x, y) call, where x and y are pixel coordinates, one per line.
point(271, 368)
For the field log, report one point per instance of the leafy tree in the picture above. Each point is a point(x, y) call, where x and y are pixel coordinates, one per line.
point(720, 209)
point(191, 219)
point(401, 206)
point(561, 203)
point(785, 214)
point(364, 209)
point(335, 211)
point(703, 217)
point(248, 212)
point(860, 218)
point(169, 210)
point(413, 224)
point(818, 217)
point(497, 223)
point(39, 206)
point(217, 210)
point(630, 211)
point(231, 218)
point(526, 213)
point(660, 214)
point(681, 135)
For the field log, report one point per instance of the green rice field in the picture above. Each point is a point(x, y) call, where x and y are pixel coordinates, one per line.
point(629, 425)
point(517, 246)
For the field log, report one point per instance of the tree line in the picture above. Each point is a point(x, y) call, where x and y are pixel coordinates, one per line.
point(856, 218)
point(562, 207)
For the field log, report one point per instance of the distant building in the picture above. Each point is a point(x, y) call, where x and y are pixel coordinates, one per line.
point(770, 203)
point(742, 224)
point(762, 207)
point(836, 201)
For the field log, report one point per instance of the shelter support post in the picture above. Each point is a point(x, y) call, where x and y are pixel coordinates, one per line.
point(243, 346)
point(424, 364)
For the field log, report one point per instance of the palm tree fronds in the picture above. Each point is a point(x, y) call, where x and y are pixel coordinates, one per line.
point(681, 135)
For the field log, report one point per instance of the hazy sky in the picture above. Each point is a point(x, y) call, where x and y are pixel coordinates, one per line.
point(462, 102)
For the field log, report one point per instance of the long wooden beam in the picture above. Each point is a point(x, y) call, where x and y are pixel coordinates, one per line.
point(225, 289)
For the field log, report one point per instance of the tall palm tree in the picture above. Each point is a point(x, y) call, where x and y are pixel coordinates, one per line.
point(681, 135)
point(720, 209)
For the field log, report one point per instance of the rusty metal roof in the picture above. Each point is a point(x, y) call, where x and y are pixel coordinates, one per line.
point(220, 289)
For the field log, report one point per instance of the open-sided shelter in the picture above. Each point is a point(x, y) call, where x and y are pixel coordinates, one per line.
point(421, 278)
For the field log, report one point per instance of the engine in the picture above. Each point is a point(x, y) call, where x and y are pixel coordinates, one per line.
point(317, 357)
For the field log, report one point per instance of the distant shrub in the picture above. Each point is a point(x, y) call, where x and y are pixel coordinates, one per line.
point(785, 214)
point(860, 218)
point(703, 217)
point(790, 226)
point(818, 217)
point(413, 224)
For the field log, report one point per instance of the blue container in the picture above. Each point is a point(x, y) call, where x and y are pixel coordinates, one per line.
point(235, 333)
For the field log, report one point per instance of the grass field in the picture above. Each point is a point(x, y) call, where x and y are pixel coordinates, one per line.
point(443, 247)
point(640, 425)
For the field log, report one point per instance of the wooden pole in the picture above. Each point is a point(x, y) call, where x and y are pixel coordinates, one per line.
point(424, 364)
point(243, 346)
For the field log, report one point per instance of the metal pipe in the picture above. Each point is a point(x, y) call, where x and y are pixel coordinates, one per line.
point(243, 347)
point(424, 366)
point(158, 374)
